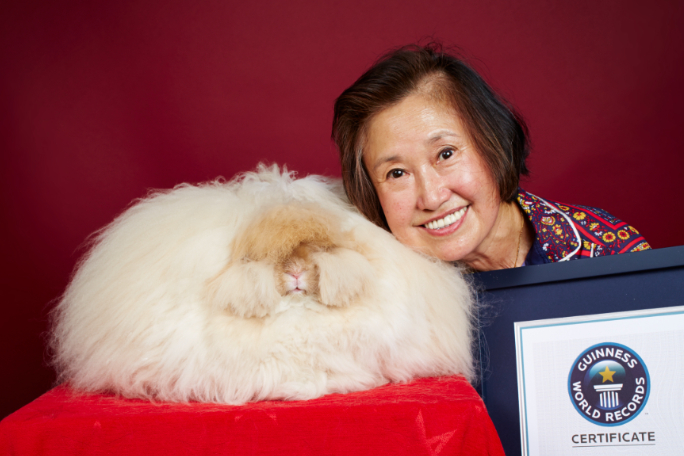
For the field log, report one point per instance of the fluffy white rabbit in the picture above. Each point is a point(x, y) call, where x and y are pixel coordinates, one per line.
point(264, 287)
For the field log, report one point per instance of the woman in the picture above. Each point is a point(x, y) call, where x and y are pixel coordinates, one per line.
point(432, 154)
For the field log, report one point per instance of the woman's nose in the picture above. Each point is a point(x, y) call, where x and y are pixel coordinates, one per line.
point(432, 192)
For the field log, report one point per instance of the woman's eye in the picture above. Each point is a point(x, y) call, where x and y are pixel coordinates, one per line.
point(446, 153)
point(395, 174)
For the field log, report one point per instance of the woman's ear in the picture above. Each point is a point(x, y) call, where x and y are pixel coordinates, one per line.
point(245, 289)
point(343, 275)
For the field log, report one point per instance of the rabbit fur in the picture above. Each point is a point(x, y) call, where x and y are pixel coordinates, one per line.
point(264, 287)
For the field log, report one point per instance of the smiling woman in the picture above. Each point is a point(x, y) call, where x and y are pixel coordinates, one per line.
point(432, 154)
point(431, 182)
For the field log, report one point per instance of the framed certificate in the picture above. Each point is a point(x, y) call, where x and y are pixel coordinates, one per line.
point(602, 383)
point(571, 293)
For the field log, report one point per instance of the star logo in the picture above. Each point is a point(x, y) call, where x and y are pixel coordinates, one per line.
point(609, 384)
point(607, 375)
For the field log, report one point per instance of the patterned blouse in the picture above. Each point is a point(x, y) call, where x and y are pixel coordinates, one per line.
point(566, 232)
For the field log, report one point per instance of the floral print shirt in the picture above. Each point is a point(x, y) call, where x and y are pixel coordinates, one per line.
point(566, 232)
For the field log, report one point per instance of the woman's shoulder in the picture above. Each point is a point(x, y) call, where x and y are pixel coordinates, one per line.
point(571, 231)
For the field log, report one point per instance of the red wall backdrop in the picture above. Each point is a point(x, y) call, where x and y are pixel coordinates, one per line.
point(100, 101)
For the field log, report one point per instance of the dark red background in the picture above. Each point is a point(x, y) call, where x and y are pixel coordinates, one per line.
point(100, 101)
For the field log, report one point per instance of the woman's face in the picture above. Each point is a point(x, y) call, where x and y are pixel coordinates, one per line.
point(436, 192)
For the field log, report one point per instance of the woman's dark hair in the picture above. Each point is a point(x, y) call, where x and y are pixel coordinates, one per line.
point(498, 133)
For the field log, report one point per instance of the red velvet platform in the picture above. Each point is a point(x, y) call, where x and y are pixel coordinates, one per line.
point(433, 416)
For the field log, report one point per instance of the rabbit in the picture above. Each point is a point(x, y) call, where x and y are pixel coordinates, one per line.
point(265, 287)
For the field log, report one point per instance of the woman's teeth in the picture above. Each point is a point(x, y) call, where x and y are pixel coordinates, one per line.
point(446, 221)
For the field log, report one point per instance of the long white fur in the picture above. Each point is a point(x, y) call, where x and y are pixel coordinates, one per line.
point(145, 314)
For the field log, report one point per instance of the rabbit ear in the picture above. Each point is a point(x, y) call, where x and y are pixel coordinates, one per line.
point(246, 289)
point(343, 275)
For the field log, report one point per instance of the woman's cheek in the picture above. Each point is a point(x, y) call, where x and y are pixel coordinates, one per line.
point(398, 212)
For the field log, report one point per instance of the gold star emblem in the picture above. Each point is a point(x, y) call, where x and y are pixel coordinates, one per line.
point(607, 375)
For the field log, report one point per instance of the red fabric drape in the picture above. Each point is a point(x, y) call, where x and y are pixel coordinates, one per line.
point(435, 416)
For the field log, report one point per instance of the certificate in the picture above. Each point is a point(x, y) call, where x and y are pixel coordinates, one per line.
point(602, 384)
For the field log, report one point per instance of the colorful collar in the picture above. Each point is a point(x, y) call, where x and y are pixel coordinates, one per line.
point(556, 232)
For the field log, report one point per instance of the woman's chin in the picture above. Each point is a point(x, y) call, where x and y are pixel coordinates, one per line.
point(446, 244)
point(449, 247)
point(450, 255)
point(444, 248)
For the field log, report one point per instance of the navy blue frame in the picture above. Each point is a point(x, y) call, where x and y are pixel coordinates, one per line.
point(632, 281)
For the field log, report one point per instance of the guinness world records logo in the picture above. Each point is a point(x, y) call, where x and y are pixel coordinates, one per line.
point(609, 384)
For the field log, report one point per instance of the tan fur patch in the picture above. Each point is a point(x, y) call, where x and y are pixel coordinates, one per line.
point(276, 234)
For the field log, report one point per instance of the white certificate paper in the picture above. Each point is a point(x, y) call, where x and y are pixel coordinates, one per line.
point(602, 384)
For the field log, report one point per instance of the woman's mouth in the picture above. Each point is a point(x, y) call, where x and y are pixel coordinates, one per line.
point(446, 221)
